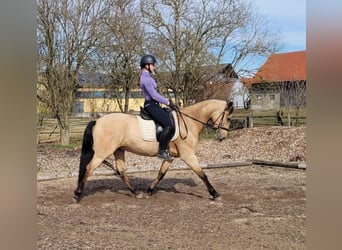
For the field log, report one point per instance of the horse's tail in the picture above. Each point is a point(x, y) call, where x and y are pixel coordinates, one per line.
point(87, 149)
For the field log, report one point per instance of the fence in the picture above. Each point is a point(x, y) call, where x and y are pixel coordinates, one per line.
point(250, 121)
point(48, 130)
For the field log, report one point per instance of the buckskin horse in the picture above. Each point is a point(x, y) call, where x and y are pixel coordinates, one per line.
point(119, 132)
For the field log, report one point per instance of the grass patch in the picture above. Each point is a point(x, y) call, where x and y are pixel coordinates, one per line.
point(207, 135)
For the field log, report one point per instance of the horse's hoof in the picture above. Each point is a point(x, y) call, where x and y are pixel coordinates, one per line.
point(139, 196)
point(75, 199)
point(149, 191)
point(216, 198)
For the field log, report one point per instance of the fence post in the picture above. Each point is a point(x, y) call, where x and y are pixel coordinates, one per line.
point(279, 119)
point(249, 122)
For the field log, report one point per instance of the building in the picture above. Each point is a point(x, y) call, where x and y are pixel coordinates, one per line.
point(94, 96)
point(92, 100)
point(279, 83)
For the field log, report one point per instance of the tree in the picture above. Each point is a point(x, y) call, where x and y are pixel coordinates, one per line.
point(120, 50)
point(187, 34)
point(110, 36)
point(293, 94)
point(67, 34)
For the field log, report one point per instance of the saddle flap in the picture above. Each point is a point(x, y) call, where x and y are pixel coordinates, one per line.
point(150, 130)
point(144, 114)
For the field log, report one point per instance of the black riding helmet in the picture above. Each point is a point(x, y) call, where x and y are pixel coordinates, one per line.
point(147, 59)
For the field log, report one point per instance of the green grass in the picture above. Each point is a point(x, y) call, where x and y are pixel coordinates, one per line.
point(207, 135)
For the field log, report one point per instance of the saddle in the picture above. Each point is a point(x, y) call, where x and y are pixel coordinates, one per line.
point(146, 121)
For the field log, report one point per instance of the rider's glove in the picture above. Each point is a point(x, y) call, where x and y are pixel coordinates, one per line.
point(173, 106)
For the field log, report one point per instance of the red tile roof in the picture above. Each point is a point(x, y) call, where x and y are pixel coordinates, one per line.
point(281, 67)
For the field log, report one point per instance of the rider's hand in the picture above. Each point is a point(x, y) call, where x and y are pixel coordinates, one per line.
point(173, 106)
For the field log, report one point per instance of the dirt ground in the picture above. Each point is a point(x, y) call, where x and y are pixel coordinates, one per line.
point(261, 207)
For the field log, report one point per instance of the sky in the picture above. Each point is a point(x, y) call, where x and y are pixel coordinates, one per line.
point(290, 17)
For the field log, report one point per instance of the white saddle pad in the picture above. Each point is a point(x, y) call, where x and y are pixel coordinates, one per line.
point(148, 128)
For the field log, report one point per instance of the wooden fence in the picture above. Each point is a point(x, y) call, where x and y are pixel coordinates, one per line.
point(48, 130)
point(250, 121)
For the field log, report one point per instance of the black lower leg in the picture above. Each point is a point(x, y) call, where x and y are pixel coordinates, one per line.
point(155, 182)
point(133, 191)
point(210, 188)
point(78, 192)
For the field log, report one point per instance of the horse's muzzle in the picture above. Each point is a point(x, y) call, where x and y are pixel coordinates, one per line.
point(219, 137)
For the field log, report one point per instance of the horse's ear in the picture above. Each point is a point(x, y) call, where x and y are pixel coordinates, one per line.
point(230, 107)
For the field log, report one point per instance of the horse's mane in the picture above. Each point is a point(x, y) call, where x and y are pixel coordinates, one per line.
point(201, 104)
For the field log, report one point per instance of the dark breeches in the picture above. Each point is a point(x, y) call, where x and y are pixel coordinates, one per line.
point(162, 117)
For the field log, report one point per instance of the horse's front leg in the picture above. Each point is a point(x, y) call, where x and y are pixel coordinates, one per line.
point(119, 155)
point(162, 171)
point(191, 160)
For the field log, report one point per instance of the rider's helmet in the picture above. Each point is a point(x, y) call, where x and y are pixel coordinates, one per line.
point(147, 59)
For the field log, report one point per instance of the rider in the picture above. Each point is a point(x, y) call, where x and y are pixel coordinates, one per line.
point(152, 98)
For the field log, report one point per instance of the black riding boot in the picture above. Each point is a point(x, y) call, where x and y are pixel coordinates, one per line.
point(164, 139)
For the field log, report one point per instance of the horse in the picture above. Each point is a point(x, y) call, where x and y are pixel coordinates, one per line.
point(116, 133)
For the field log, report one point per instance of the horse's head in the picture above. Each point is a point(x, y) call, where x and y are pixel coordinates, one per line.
point(221, 120)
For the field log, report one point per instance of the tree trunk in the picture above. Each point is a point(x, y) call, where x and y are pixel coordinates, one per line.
point(288, 119)
point(126, 101)
point(297, 116)
point(64, 129)
point(65, 135)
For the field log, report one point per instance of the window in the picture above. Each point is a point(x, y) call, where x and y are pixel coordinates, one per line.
point(91, 94)
point(135, 94)
point(79, 108)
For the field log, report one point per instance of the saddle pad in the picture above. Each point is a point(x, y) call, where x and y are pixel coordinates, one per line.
point(148, 128)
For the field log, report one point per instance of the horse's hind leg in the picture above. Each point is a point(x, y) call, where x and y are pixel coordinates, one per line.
point(119, 155)
point(192, 162)
point(162, 171)
point(86, 171)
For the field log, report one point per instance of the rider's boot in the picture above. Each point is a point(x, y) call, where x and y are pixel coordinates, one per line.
point(164, 140)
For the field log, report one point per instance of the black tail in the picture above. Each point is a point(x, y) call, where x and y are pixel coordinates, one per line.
point(87, 149)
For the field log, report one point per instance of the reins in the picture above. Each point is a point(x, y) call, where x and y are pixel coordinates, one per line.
point(206, 124)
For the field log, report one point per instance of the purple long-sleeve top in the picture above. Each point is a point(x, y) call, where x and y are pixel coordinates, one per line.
point(149, 88)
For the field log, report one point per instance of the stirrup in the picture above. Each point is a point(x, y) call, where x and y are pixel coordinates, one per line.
point(164, 154)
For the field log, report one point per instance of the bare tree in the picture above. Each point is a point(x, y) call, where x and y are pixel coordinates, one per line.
point(187, 34)
point(299, 96)
point(67, 36)
point(293, 92)
point(293, 95)
point(120, 50)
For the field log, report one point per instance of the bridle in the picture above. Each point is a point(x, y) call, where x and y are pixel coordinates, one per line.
point(206, 124)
